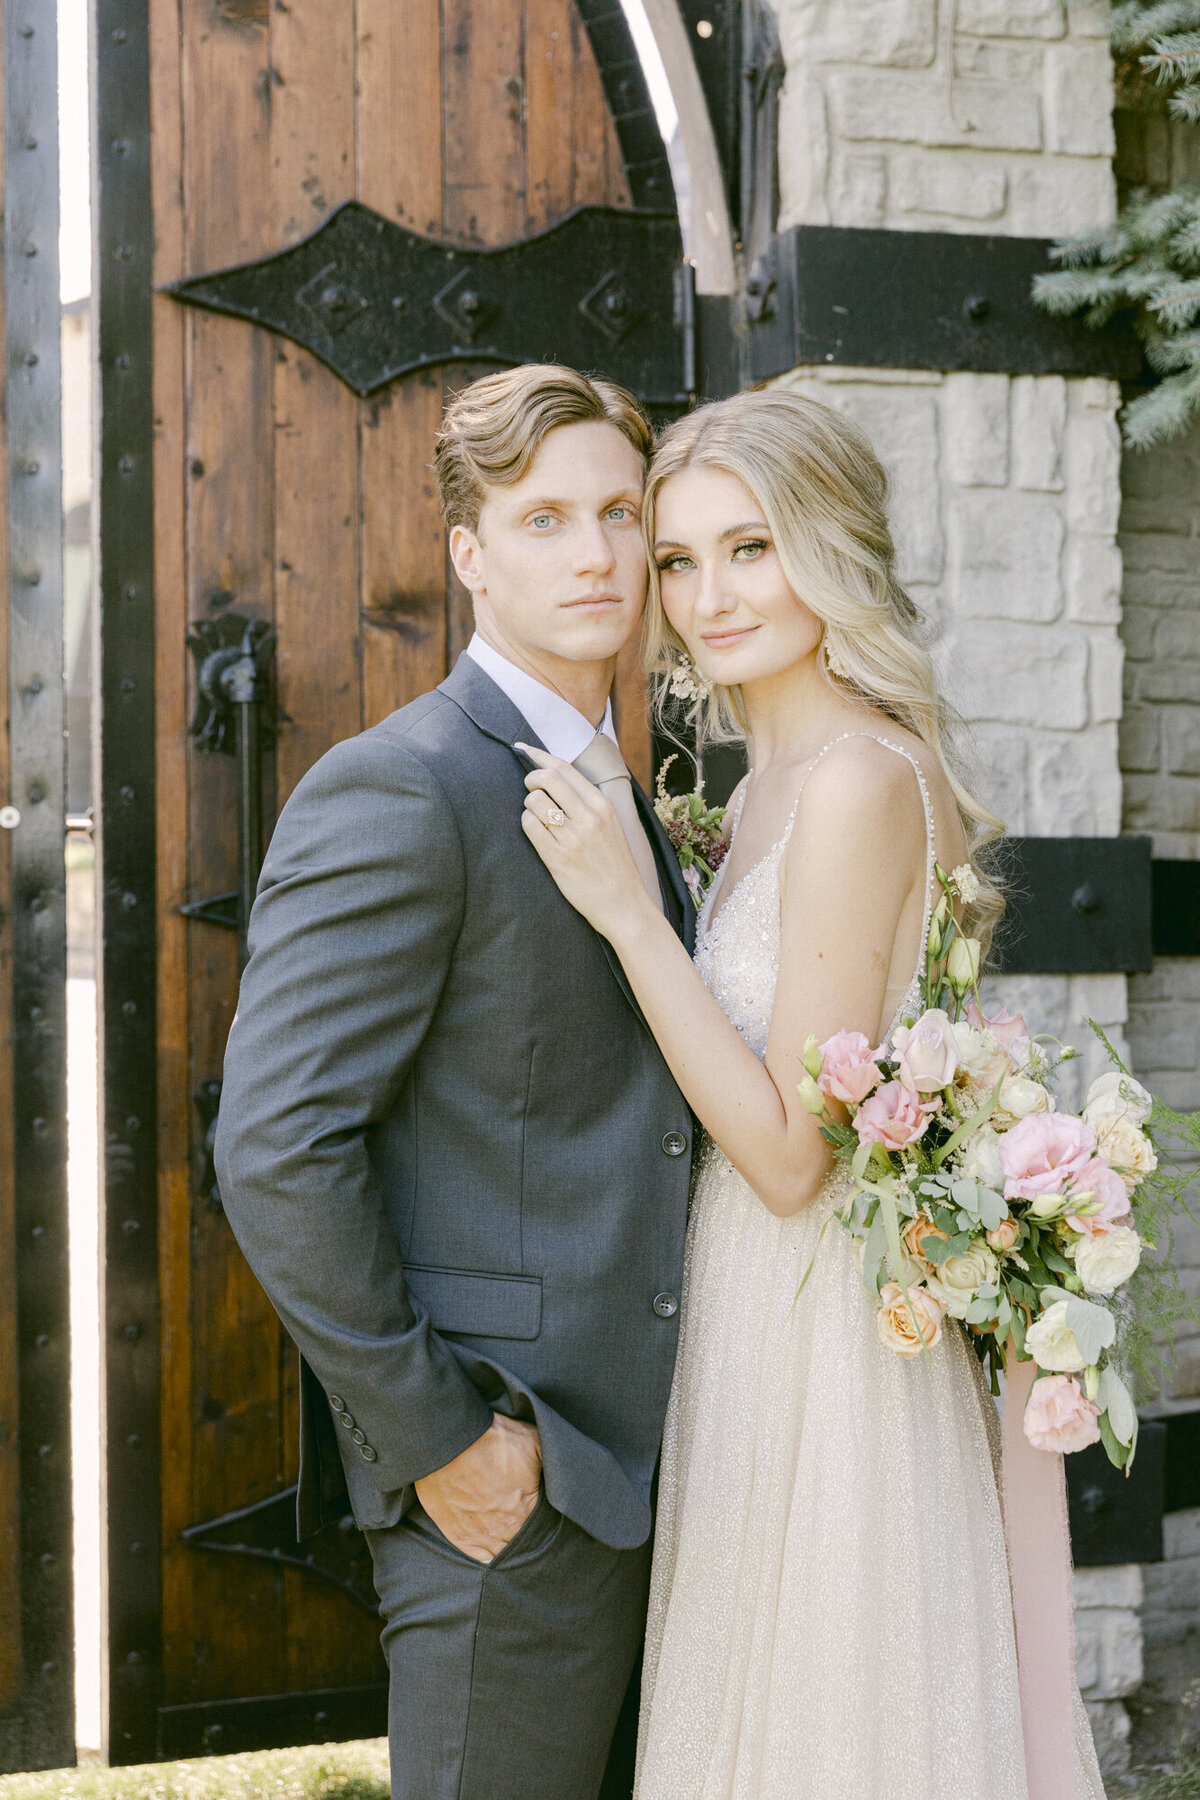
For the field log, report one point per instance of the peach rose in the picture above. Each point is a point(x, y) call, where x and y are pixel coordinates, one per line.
point(926, 1052)
point(893, 1117)
point(1004, 1236)
point(849, 1070)
point(916, 1234)
point(1044, 1153)
point(1059, 1416)
point(1007, 1028)
point(907, 1329)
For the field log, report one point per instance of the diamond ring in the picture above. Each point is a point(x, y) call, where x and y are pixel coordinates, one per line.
point(555, 816)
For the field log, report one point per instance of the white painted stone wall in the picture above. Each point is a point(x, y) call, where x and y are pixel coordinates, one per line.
point(992, 116)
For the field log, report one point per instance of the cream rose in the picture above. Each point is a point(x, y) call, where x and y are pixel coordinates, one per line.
point(907, 1329)
point(1051, 1342)
point(1104, 1263)
point(1117, 1093)
point(1020, 1097)
point(955, 1282)
point(979, 1159)
point(1120, 1143)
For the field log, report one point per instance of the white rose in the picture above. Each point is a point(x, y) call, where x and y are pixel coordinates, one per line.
point(956, 1281)
point(1117, 1093)
point(1120, 1143)
point(976, 1049)
point(979, 1159)
point(1103, 1263)
point(1020, 1097)
point(1051, 1342)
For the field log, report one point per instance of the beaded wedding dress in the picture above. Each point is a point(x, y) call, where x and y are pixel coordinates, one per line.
point(830, 1610)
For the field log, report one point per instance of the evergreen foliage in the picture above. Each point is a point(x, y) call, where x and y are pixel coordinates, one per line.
point(1148, 262)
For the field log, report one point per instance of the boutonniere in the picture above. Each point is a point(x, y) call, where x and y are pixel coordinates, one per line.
point(694, 830)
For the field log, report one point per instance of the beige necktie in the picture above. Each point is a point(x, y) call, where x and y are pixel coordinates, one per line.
point(604, 766)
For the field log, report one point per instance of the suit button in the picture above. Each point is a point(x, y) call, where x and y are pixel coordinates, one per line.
point(347, 1420)
point(337, 1403)
point(666, 1305)
point(367, 1454)
point(674, 1143)
point(359, 1437)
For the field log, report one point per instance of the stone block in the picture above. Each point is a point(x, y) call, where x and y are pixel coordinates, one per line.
point(1181, 1534)
point(1075, 785)
point(1092, 457)
point(1020, 674)
point(803, 150)
point(1137, 624)
point(1185, 1385)
point(975, 423)
point(860, 189)
point(1169, 681)
point(902, 423)
point(1118, 1586)
point(1181, 731)
point(948, 184)
point(1178, 636)
point(1011, 18)
point(1093, 578)
point(1141, 750)
point(1164, 553)
point(1089, 18)
point(1169, 1034)
point(998, 774)
point(1104, 676)
point(1079, 99)
point(899, 33)
point(985, 115)
point(991, 59)
point(1108, 1653)
point(1157, 803)
point(1058, 196)
point(1110, 1733)
point(1039, 421)
point(1006, 556)
point(1171, 978)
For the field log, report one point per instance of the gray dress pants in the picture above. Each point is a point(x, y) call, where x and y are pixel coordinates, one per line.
point(507, 1678)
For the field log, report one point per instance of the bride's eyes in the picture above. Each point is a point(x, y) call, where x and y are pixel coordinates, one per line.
point(671, 565)
point(754, 548)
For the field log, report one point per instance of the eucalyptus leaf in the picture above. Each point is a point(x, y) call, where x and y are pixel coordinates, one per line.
point(1094, 1326)
point(862, 1157)
point(874, 1251)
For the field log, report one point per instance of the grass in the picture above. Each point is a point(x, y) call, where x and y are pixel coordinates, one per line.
point(1183, 1783)
point(319, 1772)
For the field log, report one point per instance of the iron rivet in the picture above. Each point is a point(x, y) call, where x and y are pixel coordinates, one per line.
point(130, 1226)
point(127, 684)
point(35, 1013)
point(977, 307)
point(30, 359)
point(50, 1667)
point(128, 900)
point(134, 1441)
point(37, 904)
point(27, 32)
point(47, 1559)
point(127, 793)
point(120, 146)
point(133, 1123)
point(118, 37)
point(135, 1549)
point(29, 250)
point(129, 1008)
point(37, 794)
point(131, 1332)
point(34, 578)
point(35, 686)
point(123, 361)
point(135, 1656)
point(123, 252)
point(40, 1126)
point(31, 467)
point(319, 1718)
point(125, 465)
point(45, 1449)
point(39, 1231)
point(196, 467)
point(129, 591)
point(31, 143)
point(41, 1340)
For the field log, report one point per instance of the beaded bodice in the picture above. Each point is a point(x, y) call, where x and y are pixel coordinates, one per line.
point(738, 937)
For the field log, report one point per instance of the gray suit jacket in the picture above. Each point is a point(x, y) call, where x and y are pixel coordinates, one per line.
point(448, 1144)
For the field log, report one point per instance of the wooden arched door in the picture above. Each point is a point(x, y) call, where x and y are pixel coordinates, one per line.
point(244, 477)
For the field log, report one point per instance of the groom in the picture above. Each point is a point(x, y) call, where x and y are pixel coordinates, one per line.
point(448, 1144)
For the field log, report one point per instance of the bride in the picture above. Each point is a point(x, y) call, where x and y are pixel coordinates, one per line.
point(830, 1612)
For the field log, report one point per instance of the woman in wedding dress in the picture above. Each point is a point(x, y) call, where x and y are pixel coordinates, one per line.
point(831, 1614)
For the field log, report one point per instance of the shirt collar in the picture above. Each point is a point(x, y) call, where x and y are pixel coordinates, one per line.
point(562, 727)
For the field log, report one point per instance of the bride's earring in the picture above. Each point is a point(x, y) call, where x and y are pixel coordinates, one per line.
point(833, 661)
point(686, 681)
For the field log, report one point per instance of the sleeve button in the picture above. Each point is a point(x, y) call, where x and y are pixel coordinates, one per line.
point(347, 1419)
point(366, 1452)
point(674, 1143)
point(358, 1436)
point(666, 1305)
point(337, 1403)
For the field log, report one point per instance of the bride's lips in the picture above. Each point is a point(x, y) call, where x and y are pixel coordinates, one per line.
point(721, 640)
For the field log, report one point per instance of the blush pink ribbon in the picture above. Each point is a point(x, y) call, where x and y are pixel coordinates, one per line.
point(1034, 1497)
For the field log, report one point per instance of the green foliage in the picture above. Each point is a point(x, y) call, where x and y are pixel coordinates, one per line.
point(1148, 263)
point(321, 1772)
point(1152, 1306)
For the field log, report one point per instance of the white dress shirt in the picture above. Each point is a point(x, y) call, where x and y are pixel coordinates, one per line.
point(560, 726)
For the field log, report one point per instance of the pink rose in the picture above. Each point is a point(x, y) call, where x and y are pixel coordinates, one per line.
point(691, 880)
point(926, 1052)
point(1044, 1153)
point(1109, 1203)
point(1007, 1028)
point(1004, 1236)
point(848, 1068)
point(1059, 1416)
point(893, 1117)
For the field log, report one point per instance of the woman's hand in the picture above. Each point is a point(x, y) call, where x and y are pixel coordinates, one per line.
point(578, 836)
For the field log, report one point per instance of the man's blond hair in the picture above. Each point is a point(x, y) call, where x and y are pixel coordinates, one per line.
point(493, 429)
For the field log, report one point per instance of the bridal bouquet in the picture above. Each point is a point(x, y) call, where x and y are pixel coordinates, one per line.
point(977, 1199)
point(694, 830)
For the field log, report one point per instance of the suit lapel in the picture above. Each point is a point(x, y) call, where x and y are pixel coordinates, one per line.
point(472, 689)
point(678, 902)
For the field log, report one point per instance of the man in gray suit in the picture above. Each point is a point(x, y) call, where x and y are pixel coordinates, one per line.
point(448, 1144)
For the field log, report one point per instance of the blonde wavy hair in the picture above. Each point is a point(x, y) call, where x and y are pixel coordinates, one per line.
point(824, 495)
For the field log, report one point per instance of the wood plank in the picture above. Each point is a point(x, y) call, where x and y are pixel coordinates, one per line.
point(402, 544)
point(484, 196)
point(597, 170)
point(221, 1643)
point(550, 76)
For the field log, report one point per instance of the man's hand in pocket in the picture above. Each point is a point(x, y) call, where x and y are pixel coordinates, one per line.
point(481, 1500)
